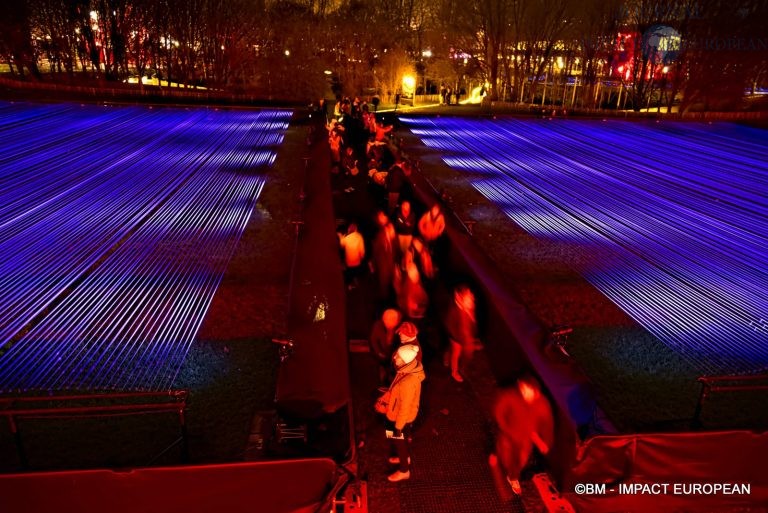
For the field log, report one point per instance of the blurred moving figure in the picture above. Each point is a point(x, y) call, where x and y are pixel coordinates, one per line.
point(432, 224)
point(353, 246)
point(404, 226)
point(383, 261)
point(524, 417)
point(461, 326)
point(412, 298)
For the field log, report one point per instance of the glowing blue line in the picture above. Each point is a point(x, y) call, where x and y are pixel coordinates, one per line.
point(130, 320)
point(674, 216)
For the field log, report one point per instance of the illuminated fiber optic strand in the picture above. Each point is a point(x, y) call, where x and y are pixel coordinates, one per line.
point(663, 153)
point(21, 113)
point(133, 315)
point(72, 234)
point(34, 276)
point(675, 276)
point(40, 137)
point(642, 282)
point(665, 229)
point(52, 171)
point(130, 322)
point(621, 182)
point(680, 245)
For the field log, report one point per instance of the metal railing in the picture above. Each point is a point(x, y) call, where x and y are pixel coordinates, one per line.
point(719, 384)
point(93, 405)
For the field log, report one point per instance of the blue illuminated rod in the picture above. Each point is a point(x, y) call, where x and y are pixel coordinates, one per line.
point(113, 266)
point(673, 218)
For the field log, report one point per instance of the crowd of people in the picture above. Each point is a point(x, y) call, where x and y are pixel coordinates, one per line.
point(401, 258)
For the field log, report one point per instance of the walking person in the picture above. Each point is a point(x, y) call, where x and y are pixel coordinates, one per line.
point(353, 246)
point(403, 407)
point(405, 222)
point(412, 298)
point(461, 325)
point(383, 258)
point(395, 183)
point(525, 421)
point(432, 223)
point(335, 142)
point(423, 258)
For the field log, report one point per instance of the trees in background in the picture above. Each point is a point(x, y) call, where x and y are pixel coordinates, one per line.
point(589, 54)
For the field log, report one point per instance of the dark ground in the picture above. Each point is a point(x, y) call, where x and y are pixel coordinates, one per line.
point(454, 434)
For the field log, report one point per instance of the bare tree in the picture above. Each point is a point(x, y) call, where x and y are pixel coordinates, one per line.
point(16, 37)
point(595, 27)
point(726, 51)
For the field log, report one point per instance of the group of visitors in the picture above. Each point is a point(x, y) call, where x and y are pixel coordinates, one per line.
point(403, 261)
point(450, 96)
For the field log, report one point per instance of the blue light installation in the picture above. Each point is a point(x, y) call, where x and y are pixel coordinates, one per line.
point(117, 225)
point(672, 216)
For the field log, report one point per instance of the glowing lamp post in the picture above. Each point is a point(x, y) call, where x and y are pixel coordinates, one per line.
point(409, 87)
point(409, 83)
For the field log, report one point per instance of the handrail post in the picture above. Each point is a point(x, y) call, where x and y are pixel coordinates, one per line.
point(184, 437)
point(20, 452)
point(705, 386)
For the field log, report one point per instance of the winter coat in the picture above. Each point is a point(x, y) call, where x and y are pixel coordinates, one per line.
point(520, 423)
point(405, 394)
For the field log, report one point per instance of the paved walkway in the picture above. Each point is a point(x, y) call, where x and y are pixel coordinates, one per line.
point(454, 434)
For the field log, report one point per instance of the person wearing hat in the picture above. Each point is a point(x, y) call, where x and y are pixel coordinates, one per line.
point(403, 406)
point(408, 332)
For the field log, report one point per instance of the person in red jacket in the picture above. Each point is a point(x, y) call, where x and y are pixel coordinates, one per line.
point(524, 417)
point(461, 326)
point(432, 224)
point(382, 262)
point(403, 406)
